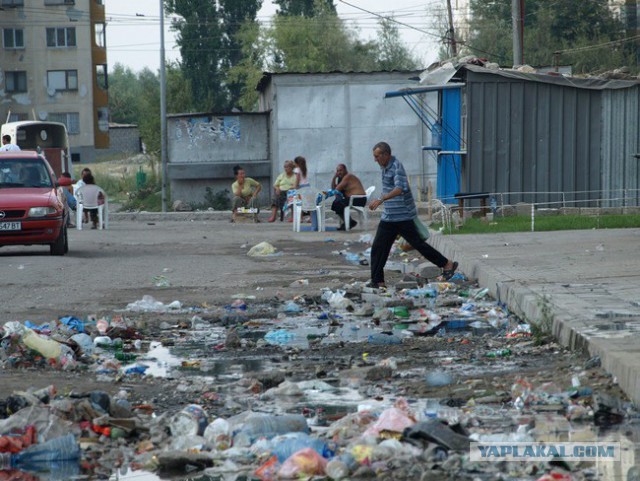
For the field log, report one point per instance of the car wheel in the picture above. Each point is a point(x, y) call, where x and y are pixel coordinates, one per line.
point(58, 247)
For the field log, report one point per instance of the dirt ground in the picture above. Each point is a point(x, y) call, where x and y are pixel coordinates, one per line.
point(206, 264)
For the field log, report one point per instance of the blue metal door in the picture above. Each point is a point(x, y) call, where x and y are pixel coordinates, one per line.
point(449, 163)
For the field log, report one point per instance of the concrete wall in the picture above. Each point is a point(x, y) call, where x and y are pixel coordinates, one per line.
point(337, 118)
point(203, 148)
point(122, 139)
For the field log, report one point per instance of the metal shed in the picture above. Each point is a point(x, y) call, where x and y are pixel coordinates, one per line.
point(546, 138)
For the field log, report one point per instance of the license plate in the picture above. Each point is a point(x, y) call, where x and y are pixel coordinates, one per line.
point(4, 226)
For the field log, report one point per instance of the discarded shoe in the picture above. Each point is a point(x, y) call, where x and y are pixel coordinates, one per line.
point(448, 273)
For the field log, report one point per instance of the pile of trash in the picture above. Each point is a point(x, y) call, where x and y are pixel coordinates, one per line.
point(351, 423)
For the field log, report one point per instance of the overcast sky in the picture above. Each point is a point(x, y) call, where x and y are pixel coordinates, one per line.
point(133, 27)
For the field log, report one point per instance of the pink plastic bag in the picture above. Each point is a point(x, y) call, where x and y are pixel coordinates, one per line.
point(305, 462)
point(392, 419)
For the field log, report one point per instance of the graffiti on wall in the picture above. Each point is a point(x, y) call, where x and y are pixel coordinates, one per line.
point(208, 129)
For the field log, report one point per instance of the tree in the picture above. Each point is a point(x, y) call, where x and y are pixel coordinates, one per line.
point(235, 15)
point(313, 43)
point(135, 98)
point(300, 8)
point(550, 26)
point(206, 34)
point(123, 95)
point(392, 53)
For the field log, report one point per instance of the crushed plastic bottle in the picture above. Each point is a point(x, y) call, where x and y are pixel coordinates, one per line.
point(284, 446)
point(269, 426)
point(279, 337)
point(499, 353)
point(39, 457)
point(381, 339)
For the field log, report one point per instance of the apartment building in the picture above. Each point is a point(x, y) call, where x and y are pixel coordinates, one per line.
point(53, 66)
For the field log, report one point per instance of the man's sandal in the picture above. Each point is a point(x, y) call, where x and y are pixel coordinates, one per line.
point(448, 273)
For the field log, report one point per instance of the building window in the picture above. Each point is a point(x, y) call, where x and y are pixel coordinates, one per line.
point(71, 120)
point(15, 82)
point(101, 76)
point(12, 3)
point(62, 79)
point(61, 37)
point(101, 40)
point(13, 117)
point(13, 38)
point(59, 2)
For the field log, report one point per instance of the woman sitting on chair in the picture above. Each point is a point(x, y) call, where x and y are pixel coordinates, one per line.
point(91, 195)
point(286, 181)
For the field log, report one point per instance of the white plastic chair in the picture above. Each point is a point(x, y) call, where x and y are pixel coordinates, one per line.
point(306, 201)
point(361, 210)
point(91, 196)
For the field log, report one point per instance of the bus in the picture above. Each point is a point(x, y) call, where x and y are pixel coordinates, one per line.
point(47, 138)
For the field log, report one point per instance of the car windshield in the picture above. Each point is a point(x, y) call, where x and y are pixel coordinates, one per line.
point(23, 173)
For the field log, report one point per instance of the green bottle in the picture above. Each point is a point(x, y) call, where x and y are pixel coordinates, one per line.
point(499, 353)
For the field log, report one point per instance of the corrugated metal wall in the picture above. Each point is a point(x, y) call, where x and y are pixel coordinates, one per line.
point(532, 137)
point(620, 144)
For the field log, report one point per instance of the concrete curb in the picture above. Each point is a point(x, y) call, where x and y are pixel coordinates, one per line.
point(572, 329)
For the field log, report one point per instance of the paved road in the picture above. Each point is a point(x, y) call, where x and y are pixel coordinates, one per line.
point(586, 281)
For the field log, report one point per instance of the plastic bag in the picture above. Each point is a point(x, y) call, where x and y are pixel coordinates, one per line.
point(305, 462)
point(392, 419)
point(262, 249)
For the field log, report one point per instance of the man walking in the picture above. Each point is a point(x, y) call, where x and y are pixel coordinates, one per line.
point(347, 184)
point(398, 218)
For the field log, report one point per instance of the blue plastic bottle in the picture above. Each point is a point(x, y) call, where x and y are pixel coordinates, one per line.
point(43, 456)
point(285, 446)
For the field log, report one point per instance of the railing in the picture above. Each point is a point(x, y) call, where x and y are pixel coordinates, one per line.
point(592, 202)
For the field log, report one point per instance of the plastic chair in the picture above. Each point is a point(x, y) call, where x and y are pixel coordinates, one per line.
point(91, 196)
point(361, 210)
point(307, 200)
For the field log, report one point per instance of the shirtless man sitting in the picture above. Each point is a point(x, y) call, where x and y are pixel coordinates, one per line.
point(348, 184)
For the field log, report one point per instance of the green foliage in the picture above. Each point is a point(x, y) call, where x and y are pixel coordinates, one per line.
point(209, 47)
point(301, 8)
point(392, 53)
point(135, 98)
point(215, 200)
point(318, 42)
point(542, 327)
point(545, 223)
point(550, 26)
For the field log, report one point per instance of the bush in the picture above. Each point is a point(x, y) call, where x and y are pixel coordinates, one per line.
point(214, 200)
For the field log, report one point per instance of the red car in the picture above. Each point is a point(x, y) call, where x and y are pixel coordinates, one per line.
point(33, 208)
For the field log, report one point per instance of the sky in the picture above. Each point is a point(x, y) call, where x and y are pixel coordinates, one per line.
point(133, 27)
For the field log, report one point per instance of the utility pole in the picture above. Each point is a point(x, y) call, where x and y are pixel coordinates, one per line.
point(163, 112)
point(517, 8)
point(452, 32)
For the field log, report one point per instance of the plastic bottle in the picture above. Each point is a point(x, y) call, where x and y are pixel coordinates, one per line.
point(285, 446)
point(499, 353)
point(336, 469)
point(49, 348)
point(218, 434)
point(381, 339)
point(423, 292)
point(39, 456)
point(269, 426)
point(191, 421)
